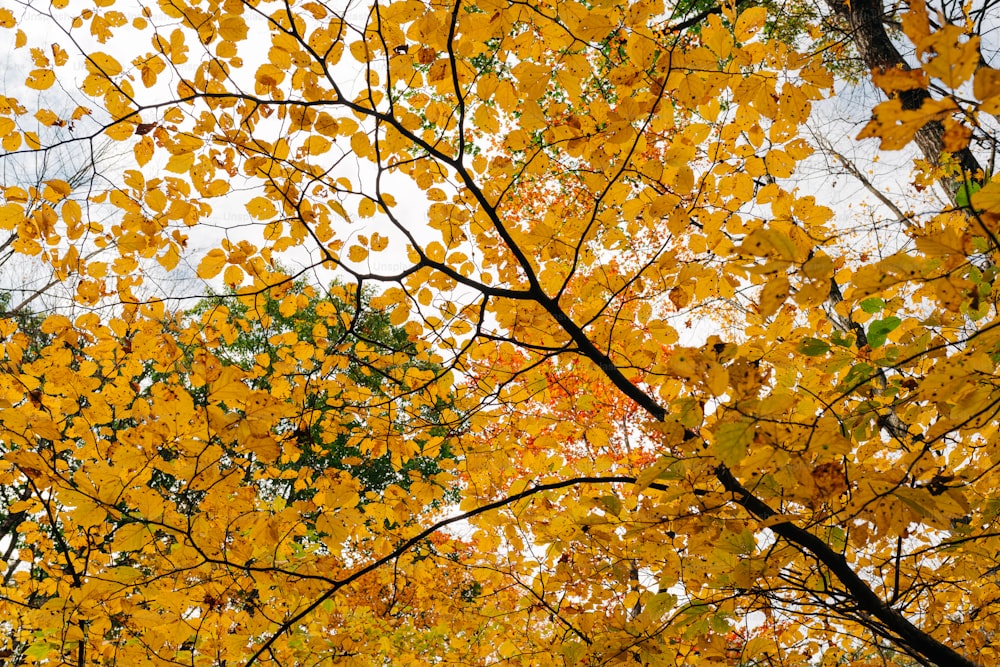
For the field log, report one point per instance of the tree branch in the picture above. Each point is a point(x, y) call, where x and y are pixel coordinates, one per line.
point(866, 598)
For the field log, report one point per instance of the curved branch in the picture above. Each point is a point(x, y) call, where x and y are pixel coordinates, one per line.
point(424, 534)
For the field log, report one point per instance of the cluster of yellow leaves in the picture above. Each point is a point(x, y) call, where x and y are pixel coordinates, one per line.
point(588, 181)
point(155, 511)
point(949, 55)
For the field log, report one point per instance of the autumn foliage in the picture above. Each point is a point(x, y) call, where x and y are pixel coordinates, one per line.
point(521, 335)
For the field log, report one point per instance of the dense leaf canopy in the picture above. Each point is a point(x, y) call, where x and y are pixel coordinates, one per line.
point(574, 363)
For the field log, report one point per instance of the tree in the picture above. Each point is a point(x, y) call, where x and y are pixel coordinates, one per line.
point(296, 315)
point(285, 459)
point(550, 195)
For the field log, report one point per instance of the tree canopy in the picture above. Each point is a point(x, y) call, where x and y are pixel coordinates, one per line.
point(572, 366)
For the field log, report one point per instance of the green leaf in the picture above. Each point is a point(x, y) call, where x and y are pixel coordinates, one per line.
point(872, 305)
point(858, 375)
point(963, 198)
point(841, 339)
point(39, 651)
point(879, 329)
point(813, 347)
point(836, 538)
point(612, 504)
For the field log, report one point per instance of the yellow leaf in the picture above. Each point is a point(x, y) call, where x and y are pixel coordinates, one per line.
point(508, 650)
point(317, 145)
point(366, 208)
point(233, 276)
point(72, 213)
point(211, 264)
point(97, 269)
point(288, 306)
point(229, 387)
point(180, 164)
point(916, 23)
point(988, 198)
point(986, 88)
point(143, 150)
point(895, 126)
point(585, 23)
point(103, 64)
point(935, 511)
point(361, 145)
point(264, 448)
point(774, 294)
point(268, 77)
point(261, 208)
point(40, 79)
point(399, 315)
point(326, 125)
point(517, 140)
point(652, 472)
point(56, 190)
point(766, 242)
point(45, 428)
point(717, 38)
point(170, 257)
point(779, 163)
point(749, 22)
point(175, 48)
point(819, 267)
point(357, 254)
point(731, 441)
point(233, 28)
point(46, 117)
point(895, 79)
point(131, 537)
point(942, 243)
point(435, 252)
point(957, 57)
point(218, 187)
